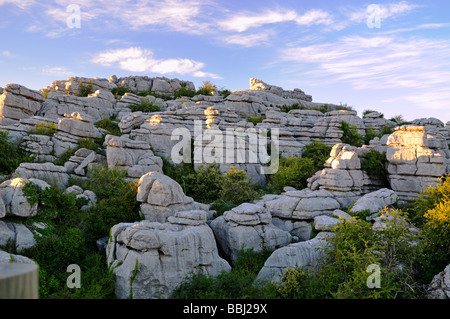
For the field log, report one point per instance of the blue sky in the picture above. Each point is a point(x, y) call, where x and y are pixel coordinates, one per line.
point(332, 50)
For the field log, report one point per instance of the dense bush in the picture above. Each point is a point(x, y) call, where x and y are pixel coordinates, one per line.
point(110, 125)
point(71, 235)
point(238, 283)
point(145, 106)
point(237, 188)
point(374, 163)
point(85, 90)
point(11, 155)
point(293, 171)
point(351, 135)
point(207, 88)
point(318, 152)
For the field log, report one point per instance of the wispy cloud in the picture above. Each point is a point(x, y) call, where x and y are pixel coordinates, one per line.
point(244, 21)
point(137, 59)
point(384, 11)
point(249, 40)
point(376, 63)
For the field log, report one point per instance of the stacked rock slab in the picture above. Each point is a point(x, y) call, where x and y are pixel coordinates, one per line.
point(136, 157)
point(44, 171)
point(150, 259)
point(343, 176)
point(417, 156)
point(247, 226)
point(18, 102)
point(162, 197)
point(258, 85)
point(303, 254)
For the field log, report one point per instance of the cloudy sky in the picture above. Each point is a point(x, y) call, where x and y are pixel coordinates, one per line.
point(392, 56)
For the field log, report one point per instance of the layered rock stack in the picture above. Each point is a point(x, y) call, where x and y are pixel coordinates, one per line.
point(247, 226)
point(417, 156)
point(18, 102)
point(150, 259)
point(162, 197)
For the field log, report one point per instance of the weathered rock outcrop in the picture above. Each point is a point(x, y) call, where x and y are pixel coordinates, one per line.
point(18, 102)
point(302, 254)
point(136, 157)
point(48, 172)
point(417, 156)
point(439, 287)
point(12, 200)
point(247, 226)
point(162, 197)
point(150, 260)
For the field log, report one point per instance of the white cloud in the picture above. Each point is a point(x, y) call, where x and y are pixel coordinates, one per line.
point(249, 40)
point(57, 71)
point(419, 68)
point(244, 21)
point(22, 4)
point(137, 59)
point(7, 54)
point(385, 11)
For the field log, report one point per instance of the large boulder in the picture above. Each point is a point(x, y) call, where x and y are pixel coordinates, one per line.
point(150, 259)
point(439, 287)
point(303, 254)
point(18, 102)
point(417, 156)
point(48, 172)
point(12, 199)
point(375, 201)
point(162, 197)
point(247, 226)
point(136, 157)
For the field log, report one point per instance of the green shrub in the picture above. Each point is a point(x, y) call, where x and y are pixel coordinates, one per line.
point(43, 129)
point(318, 152)
point(111, 126)
point(207, 88)
point(107, 182)
point(11, 154)
point(374, 163)
point(145, 106)
point(238, 283)
point(224, 92)
point(237, 188)
point(342, 273)
point(292, 171)
point(183, 91)
point(121, 90)
point(255, 119)
point(85, 90)
point(286, 108)
point(351, 135)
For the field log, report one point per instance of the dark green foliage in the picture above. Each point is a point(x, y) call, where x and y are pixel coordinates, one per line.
point(294, 172)
point(85, 90)
point(110, 125)
point(121, 90)
point(72, 232)
point(183, 91)
point(318, 152)
point(237, 188)
point(351, 135)
point(11, 155)
point(224, 92)
point(286, 108)
point(43, 129)
point(255, 119)
point(145, 106)
point(238, 283)
point(374, 163)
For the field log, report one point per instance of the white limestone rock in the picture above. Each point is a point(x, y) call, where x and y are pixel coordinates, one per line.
point(150, 260)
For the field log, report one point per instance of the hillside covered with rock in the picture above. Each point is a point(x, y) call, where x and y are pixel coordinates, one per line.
point(88, 168)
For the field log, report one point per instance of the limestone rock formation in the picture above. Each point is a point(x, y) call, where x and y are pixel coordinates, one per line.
point(136, 157)
point(302, 254)
point(247, 226)
point(162, 197)
point(150, 259)
point(18, 102)
point(439, 287)
point(417, 156)
point(45, 171)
